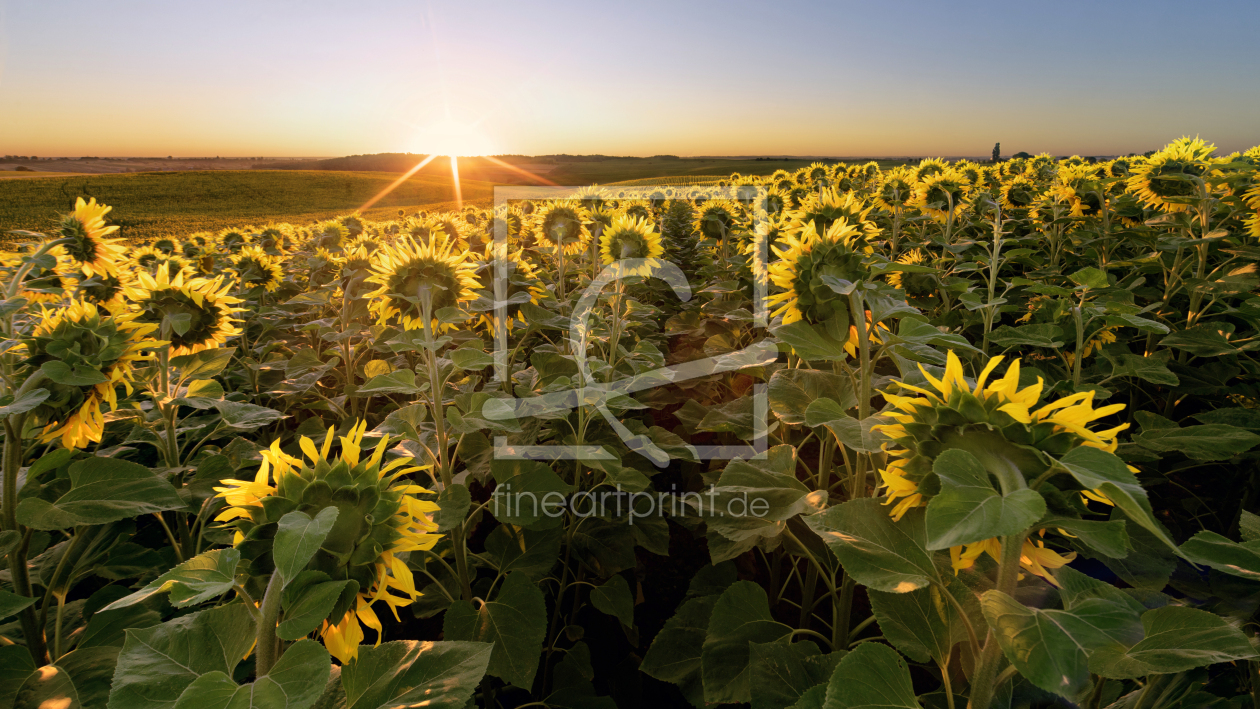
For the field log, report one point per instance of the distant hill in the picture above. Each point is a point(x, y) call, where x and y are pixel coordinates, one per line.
point(555, 169)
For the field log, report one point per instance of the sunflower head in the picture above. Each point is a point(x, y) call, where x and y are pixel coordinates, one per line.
point(380, 518)
point(716, 218)
point(562, 224)
point(631, 238)
point(1171, 176)
point(522, 286)
point(804, 262)
point(331, 235)
point(410, 272)
point(194, 314)
point(990, 419)
point(916, 285)
point(257, 269)
point(109, 292)
point(827, 206)
point(232, 240)
point(760, 247)
point(942, 191)
point(1019, 192)
point(896, 189)
point(927, 168)
point(95, 350)
point(637, 208)
point(1077, 186)
point(83, 236)
point(353, 224)
point(272, 240)
point(167, 245)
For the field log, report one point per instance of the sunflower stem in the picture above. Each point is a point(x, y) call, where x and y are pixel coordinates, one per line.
point(267, 644)
point(984, 682)
point(12, 461)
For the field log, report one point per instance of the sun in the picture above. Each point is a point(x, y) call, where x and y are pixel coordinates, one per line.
point(452, 138)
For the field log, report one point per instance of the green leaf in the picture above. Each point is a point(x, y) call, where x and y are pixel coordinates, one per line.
point(62, 373)
point(1090, 277)
point(1249, 526)
point(77, 680)
point(102, 490)
point(15, 666)
point(298, 537)
point(811, 342)
point(858, 435)
point(158, 663)
point(11, 603)
point(529, 492)
point(402, 381)
point(1108, 538)
point(1203, 340)
point(1212, 441)
point(871, 677)
point(204, 364)
point(1176, 639)
point(515, 621)
point(923, 624)
point(29, 401)
point(296, 680)
point(741, 616)
point(436, 675)
point(1147, 368)
point(969, 510)
point(782, 672)
point(571, 680)
point(1050, 336)
point(675, 653)
point(470, 359)
point(199, 579)
point(1099, 470)
point(240, 416)
point(1051, 648)
point(874, 550)
point(1211, 549)
point(613, 598)
point(542, 550)
point(454, 502)
point(306, 605)
point(791, 391)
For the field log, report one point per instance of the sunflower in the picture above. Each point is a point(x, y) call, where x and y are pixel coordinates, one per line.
point(331, 235)
point(407, 270)
point(272, 239)
point(938, 193)
point(152, 260)
point(1034, 557)
point(716, 218)
point(41, 284)
point(820, 210)
point(518, 275)
point(1252, 222)
point(562, 224)
point(83, 233)
point(916, 285)
point(232, 240)
point(631, 238)
point(765, 238)
point(166, 245)
point(895, 190)
point(636, 208)
point(380, 520)
point(1018, 192)
point(109, 292)
point(206, 304)
point(457, 230)
point(593, 195)
point(928, 167)
point(996, 419)
point(1075, 186)
point(98, 345)
point(353, 224)
point(1171, 173)
point(256, 269)
point(803, 261)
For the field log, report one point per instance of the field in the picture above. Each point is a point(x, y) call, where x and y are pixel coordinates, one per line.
point(156, 204)
point(991, 439)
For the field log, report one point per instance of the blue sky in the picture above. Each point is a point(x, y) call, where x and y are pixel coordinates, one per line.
point(149, 77)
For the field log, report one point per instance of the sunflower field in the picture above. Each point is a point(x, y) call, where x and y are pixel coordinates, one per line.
point(968, 435)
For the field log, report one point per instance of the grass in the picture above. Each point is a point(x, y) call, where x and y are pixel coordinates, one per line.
point(154, 204)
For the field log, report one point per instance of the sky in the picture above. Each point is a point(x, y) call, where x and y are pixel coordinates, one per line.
point(860, 79)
